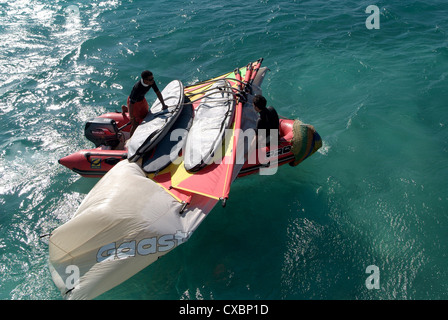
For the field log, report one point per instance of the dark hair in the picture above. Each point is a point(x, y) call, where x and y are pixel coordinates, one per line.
point(260, 102)
point(146, 74)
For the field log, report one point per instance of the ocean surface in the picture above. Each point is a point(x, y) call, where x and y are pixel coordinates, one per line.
point(374, 195)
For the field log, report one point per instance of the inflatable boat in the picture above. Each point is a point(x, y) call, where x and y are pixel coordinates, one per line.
point(141, 210)
point(110, 132)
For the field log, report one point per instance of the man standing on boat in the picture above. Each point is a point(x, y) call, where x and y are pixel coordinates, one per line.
point(137, 105)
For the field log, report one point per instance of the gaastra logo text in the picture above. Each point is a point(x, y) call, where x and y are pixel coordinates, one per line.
point(128, 249)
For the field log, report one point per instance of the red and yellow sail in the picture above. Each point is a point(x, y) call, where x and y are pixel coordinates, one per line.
point(215, 179)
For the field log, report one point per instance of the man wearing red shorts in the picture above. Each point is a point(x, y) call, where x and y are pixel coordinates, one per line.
point(137, 105)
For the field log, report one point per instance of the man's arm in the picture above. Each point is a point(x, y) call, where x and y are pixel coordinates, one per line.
point(159, 95)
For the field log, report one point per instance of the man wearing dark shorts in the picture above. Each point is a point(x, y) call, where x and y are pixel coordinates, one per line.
point(137, 105)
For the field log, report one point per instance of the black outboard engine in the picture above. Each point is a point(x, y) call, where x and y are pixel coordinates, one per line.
point(102, 131)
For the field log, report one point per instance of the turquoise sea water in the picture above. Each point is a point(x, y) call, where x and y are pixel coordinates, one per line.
point(374, 194)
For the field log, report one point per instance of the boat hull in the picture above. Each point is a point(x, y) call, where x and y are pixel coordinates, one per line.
point(296, 142)
point(96, 162)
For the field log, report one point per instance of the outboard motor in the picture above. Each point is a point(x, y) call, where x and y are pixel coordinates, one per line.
point(102, 131)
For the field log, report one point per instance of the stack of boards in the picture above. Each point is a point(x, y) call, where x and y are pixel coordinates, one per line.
point(163, 134)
